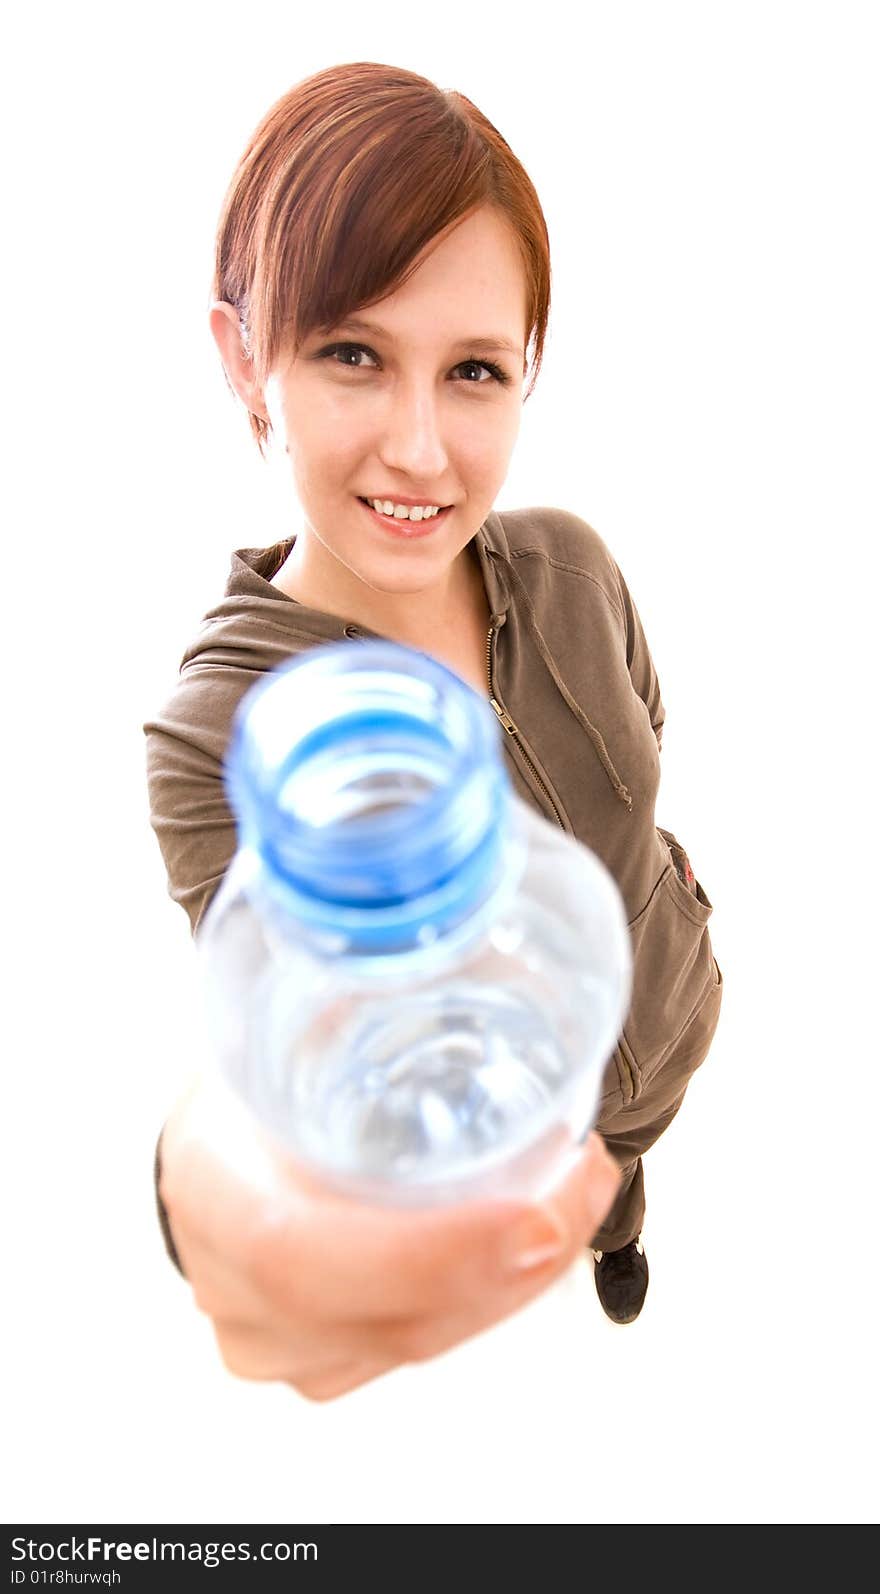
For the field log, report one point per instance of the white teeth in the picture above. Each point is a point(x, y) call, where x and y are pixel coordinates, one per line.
point(384, 506)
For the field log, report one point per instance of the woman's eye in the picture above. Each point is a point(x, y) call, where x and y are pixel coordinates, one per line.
point(346, 350)
point(477, 365)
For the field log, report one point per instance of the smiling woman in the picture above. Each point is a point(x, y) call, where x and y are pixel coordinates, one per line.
point(420, 418)
point(382, 270)
point(408, 199)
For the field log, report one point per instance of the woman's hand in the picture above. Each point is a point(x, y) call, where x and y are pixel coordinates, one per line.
point(324, 1293)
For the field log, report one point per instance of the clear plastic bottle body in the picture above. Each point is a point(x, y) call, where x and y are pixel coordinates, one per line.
point(441, 1036)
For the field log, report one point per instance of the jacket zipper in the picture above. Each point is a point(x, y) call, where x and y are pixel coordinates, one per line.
point(513, 730)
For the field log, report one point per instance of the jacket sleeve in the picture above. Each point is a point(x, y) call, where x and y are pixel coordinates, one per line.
point(639, 661)
point(189, 813)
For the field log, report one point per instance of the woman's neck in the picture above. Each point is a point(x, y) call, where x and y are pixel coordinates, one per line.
point(414, 619)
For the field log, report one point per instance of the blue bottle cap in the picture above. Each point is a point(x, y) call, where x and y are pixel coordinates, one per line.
point(369, 780)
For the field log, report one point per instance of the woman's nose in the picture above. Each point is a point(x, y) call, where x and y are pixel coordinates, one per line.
point(413, 439)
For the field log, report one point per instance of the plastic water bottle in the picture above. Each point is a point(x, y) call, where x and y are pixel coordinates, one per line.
point(413, 979)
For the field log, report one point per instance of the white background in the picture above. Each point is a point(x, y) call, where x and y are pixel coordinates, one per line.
point(709, 402)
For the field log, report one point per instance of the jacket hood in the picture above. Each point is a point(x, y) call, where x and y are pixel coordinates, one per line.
point(252, 625)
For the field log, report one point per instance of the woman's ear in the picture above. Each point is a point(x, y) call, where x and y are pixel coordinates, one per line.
point(237, 363)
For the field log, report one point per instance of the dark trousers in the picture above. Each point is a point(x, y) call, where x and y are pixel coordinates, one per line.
point(632, 1130)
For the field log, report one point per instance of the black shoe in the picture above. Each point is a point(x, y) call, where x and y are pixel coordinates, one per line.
point(622, 1281)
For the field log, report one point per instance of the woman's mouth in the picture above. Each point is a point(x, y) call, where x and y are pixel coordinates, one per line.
point(408, 529)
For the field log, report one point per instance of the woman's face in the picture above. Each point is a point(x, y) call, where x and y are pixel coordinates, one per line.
point(400, 411)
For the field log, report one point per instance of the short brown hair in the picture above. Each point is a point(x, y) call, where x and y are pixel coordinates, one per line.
point(344, 182)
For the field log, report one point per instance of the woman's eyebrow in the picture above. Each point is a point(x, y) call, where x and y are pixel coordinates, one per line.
point(358, 324)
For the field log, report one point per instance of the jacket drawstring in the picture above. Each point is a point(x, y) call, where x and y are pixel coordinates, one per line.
point(622, 791)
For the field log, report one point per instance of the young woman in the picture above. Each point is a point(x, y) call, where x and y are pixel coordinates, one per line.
point(382, 265)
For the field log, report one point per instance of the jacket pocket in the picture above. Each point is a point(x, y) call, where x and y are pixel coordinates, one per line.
point(673, 967)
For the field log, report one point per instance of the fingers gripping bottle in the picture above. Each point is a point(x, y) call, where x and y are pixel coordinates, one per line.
point(413, 979)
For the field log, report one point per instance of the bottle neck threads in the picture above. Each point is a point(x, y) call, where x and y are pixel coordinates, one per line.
point(368, 780)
